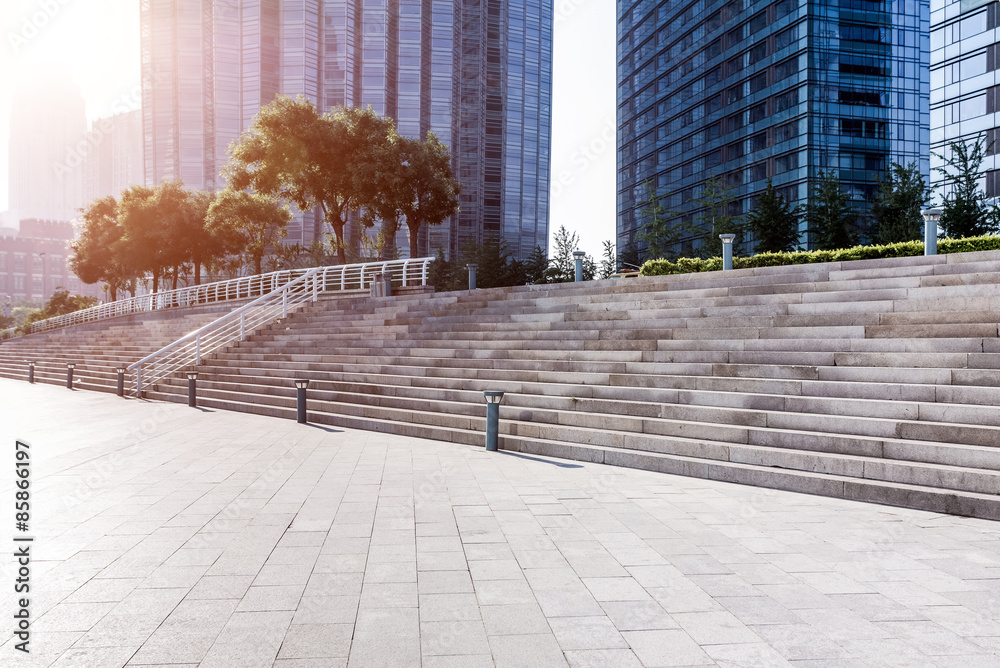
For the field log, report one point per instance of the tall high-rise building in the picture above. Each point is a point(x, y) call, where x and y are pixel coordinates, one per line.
point(47, 124)
point(114, 155)
point(749, 90)
point(965, 84)
point(475, 72)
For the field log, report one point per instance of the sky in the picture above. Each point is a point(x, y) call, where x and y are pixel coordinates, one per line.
point(96, 42)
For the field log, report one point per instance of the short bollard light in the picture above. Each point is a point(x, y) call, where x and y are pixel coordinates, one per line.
point(69, 375)
point(493, 400)
point(578, 259)
point(472, 275)
point(300, 400)
point(931, 217)
point(31, 372)
point(120, 390)
point(727, 251)
point(192, 377)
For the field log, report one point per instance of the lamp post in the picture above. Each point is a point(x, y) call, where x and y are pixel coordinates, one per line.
point(578, 260)
point(472, 275)
point(192, 377)
point(931, 217)
point(69, 376)
point(727, 251)
point(31, 372)
point(121, 381)
point(493, 400)
point(300, 400)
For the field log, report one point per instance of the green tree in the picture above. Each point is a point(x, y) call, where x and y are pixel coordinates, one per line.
point(99, 253)
point(609, 261)
point(60, 303)
point(442, 272)
point(829, 215)
point(535, 266)
point(773, 222)
point(200, 245)
point(714, 218)
point(562, 267)
point(149, 239)
point(964, 212)
point(897, 204)
point(330, 161)
point(656, 231)
point(415, 184)
point(248, 224)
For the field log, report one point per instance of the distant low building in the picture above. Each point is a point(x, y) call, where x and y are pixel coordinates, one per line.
point(114, 160)
point(34, 262)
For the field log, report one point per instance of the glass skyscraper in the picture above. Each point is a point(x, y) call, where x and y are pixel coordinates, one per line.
point(746, 91)
point(475, 72)
point(965, 85)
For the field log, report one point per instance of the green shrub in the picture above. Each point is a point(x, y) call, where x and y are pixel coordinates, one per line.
point(688, 265)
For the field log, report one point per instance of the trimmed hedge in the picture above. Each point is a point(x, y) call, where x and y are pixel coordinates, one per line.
point(689, 265)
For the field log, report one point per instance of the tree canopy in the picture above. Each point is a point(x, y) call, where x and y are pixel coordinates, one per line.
point(830, 217)
point(773, 223)
point(964, 212)
point(897, 205)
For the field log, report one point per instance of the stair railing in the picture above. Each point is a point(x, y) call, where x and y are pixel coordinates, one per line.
point(277, 304)
point(409, 272)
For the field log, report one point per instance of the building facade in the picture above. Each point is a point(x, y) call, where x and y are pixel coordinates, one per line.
point(114, 159)
point(746, 90)
point(475, 72)
point(965, 84)
point(34, 262)
point(48, 127)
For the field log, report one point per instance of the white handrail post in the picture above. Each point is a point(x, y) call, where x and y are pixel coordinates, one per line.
point(284, 304)
point(138, 382)
point(316, 286)
point(197, 350)
point(423, 274)
point(243, 324)
point(343, 278)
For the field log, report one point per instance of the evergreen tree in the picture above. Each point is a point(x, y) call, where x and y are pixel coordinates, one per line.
point(715, 219)
point(656, 231)
point(562, 268)
point(535, 266)
point(609, 262)
point(774, 223)
point(829, 215)
point(964, 212)
point(441, 273)
point(897, 205)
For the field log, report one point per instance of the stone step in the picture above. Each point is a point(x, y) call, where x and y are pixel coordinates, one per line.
point(952, 478)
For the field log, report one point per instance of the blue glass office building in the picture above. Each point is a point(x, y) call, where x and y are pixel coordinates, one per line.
point(478, 73)
point(745, 90)
point(965, 84)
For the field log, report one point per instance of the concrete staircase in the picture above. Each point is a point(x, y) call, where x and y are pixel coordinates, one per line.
point(873, 380)
point(98, 348)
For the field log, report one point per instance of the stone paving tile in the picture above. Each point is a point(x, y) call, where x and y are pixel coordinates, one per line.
point(220, 539)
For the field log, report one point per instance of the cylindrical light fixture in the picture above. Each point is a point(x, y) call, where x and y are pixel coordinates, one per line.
point(493, 399)
point(472, 275)
point(578, 259)
point(120, 391)
point(192, 377)
point(69, 375)
point(931, 217)
point(300, 399)
point(727, 251)
point(31, 372)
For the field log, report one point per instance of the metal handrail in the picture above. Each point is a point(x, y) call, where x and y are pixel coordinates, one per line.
point(276, 304)
point(244, 287)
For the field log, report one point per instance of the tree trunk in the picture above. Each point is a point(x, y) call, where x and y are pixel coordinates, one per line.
point(175, 277)
point(113, 289)
point(257, 262)
point(338, 235)
point(414, 227)
point(197, 272)
point(156, 280)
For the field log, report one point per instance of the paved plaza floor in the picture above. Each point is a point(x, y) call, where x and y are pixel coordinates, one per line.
point(171, 536)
